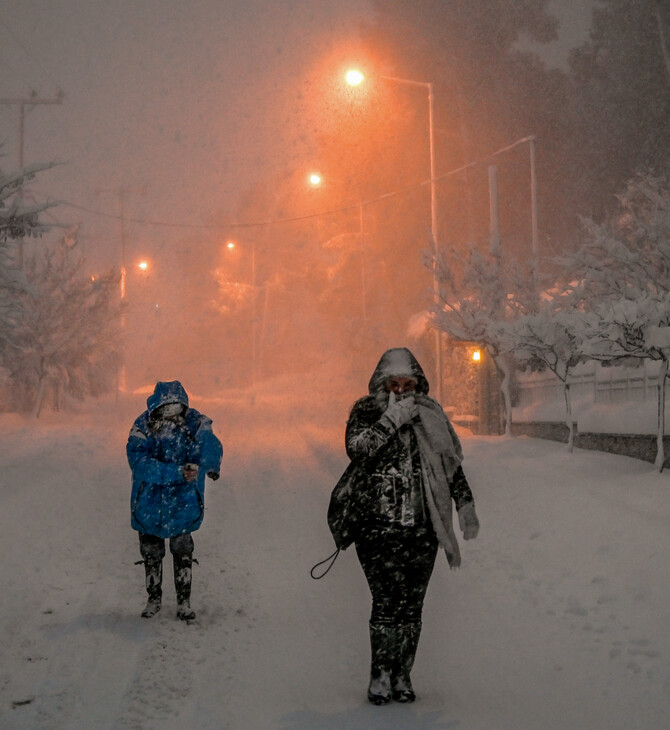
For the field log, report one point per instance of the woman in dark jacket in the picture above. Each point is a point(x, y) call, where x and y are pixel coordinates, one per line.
point(405, 473)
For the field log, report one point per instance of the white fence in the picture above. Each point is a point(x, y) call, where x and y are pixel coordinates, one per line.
point(592, 382)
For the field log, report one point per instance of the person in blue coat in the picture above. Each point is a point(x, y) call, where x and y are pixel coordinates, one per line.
point(171, 448)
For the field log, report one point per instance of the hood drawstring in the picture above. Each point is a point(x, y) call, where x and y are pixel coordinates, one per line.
point(332, 559)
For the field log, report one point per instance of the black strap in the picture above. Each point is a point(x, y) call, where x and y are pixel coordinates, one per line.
point(332, 559)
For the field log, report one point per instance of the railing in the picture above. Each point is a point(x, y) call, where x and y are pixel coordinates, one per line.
point(592, 382)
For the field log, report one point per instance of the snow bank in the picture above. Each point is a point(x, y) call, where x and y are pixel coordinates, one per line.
point(624, 418)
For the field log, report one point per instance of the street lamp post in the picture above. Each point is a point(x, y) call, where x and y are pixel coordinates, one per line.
point(231, 245)
point(354, 78)
point(316, 180)
point(254, 354)
point(431, 142)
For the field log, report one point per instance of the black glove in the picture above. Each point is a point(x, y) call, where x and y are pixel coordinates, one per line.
point(213, 475)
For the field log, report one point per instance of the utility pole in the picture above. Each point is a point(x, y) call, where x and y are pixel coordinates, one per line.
point(533, 210)
point(29, 102)
point(428, 85)
point(494, 216)
point(121, 192)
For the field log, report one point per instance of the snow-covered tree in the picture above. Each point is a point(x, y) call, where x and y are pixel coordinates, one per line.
point(629, 330)
point(63, 332)
point(624, 270)
point(547, 340)
point(476, 297)
point(19, 219)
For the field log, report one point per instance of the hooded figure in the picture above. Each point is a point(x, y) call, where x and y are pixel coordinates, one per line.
point(405, 472)
point(171, 448)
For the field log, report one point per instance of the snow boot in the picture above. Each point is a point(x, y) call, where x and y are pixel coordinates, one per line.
point(153, 570)
point(152, 608)
point(182, 584)
point(407, 640)
point(379, 689)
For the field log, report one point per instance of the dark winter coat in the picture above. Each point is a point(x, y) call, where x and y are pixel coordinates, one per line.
point(385, 484)
point(163, 503)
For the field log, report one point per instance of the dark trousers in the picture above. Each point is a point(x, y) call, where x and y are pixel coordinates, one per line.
point(152, 548)
point(397, 563)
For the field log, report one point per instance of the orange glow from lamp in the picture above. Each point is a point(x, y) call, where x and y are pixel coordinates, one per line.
point(354, 77)
point(315, 179)
point(477, 356)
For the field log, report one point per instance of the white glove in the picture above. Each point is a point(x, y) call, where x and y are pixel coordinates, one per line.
point(468, 522)
point(400, 412)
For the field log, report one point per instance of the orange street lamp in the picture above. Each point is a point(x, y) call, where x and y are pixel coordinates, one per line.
point(143, 266)
point(354, 78)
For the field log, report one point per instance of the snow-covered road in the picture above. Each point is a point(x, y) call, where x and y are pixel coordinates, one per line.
point(559, 617)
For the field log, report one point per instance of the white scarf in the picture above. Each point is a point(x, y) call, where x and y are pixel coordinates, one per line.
point(441, 455)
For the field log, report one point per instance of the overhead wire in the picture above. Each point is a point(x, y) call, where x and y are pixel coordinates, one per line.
point(254, 224)
point(294, 219)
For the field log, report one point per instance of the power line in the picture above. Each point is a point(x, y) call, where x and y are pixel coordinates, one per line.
point(294, 219)
point(219, 226)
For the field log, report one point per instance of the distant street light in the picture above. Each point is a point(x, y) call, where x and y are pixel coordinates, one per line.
point(232, 245)
point(316, 180)
point(143, 266)
point(355, 78)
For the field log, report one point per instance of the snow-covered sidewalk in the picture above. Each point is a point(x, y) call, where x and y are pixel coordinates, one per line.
point(558, 619)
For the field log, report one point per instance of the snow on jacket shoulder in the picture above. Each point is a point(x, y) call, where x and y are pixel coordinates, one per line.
point(163, 503)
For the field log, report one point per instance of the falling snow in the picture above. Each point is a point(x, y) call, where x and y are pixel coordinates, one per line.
point(557, 618)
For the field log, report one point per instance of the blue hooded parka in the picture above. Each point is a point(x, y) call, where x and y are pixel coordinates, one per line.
point(162, 502)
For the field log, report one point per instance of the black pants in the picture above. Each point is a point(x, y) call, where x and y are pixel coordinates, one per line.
point(397, 563)
point(152, 548)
